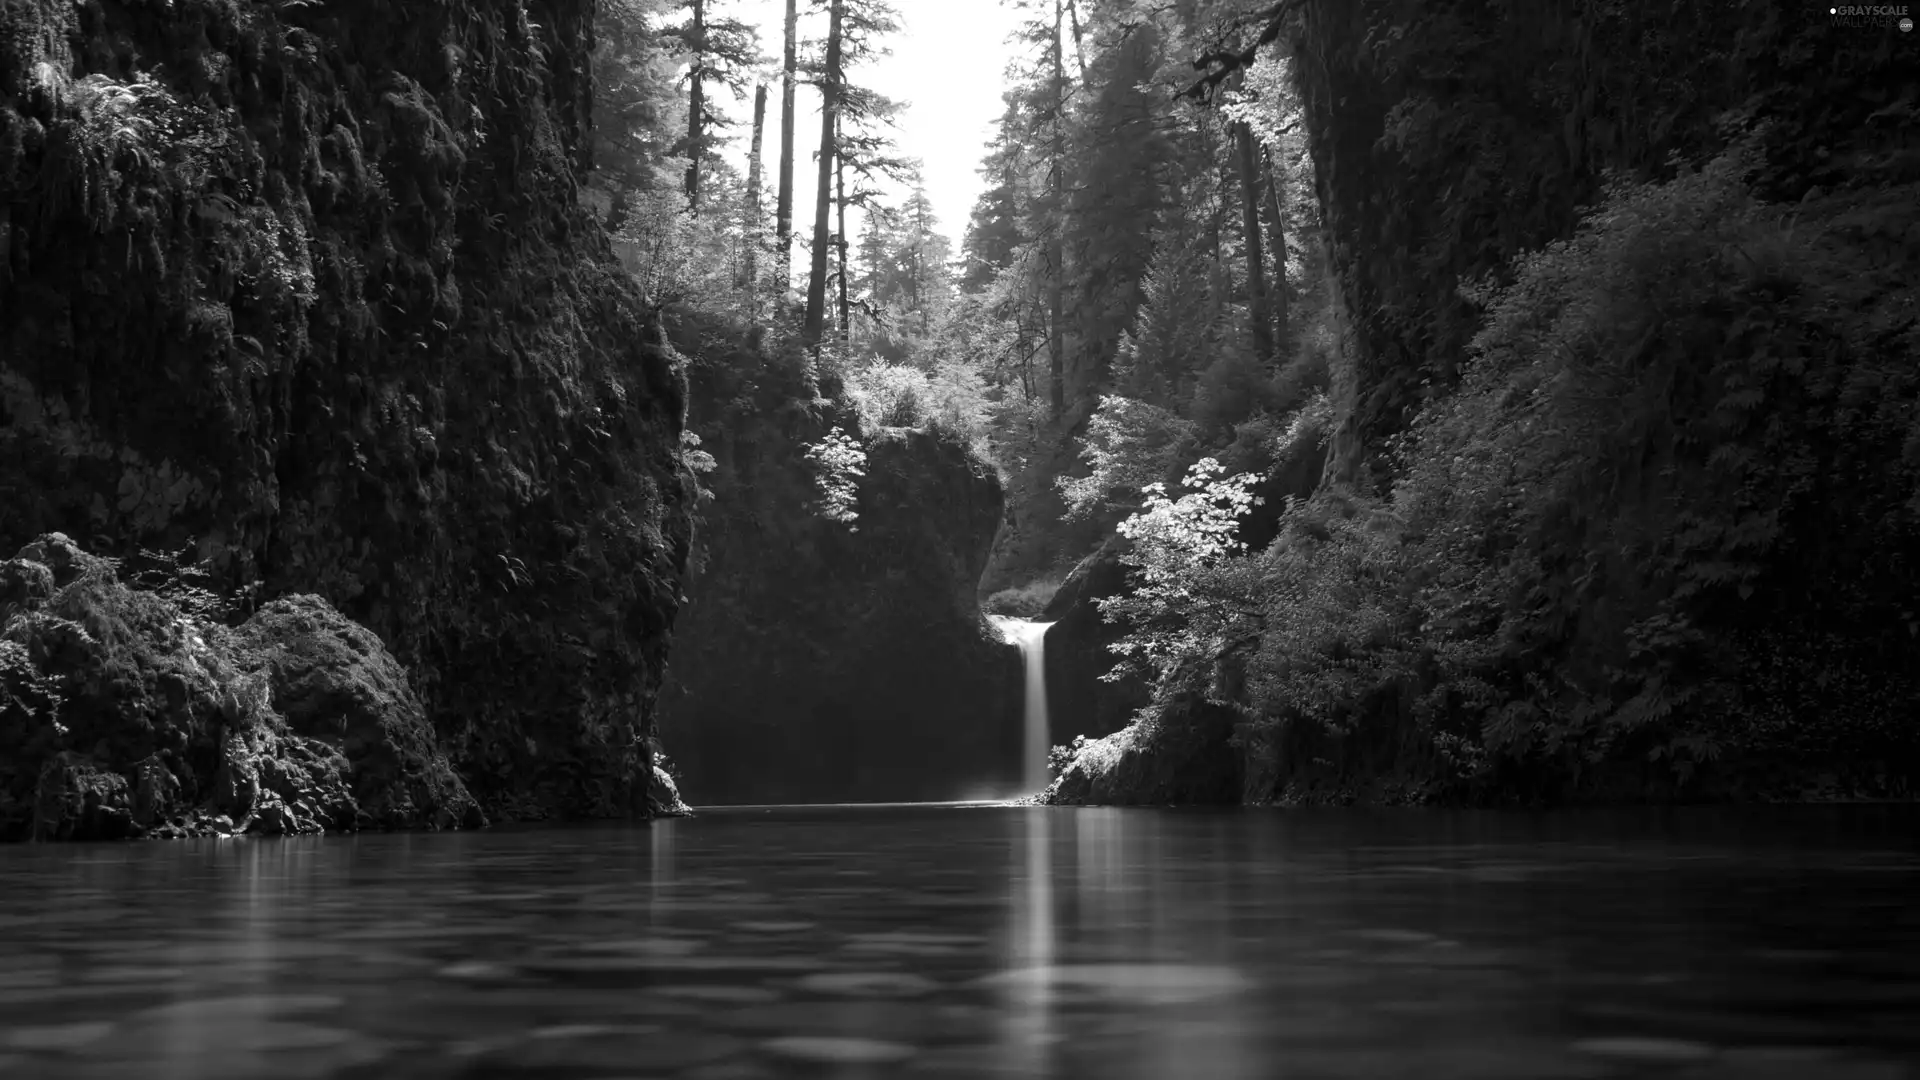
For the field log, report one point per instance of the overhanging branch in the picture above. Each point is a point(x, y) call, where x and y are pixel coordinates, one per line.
point(1221, 61)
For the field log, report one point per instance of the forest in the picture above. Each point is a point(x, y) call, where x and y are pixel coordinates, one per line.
point(1374, 418)
point(1448, 428)
point(1380, 538)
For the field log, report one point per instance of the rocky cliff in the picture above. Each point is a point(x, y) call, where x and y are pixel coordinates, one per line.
point(826, 661)
point(306, 287)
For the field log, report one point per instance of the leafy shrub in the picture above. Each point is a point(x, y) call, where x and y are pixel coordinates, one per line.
point(838, 463)
point(948, 400)
point(1189, 597)
point(666, 248)
point(1026, 600)
point(1640, 463)
point(1060, 758)
point(1684, 428)
point(1129, 446)
point(697, 461)
point(1335, 622)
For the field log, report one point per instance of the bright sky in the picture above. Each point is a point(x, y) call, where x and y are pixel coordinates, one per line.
point(947, 63)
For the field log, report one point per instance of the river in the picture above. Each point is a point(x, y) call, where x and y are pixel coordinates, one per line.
point(983, 941)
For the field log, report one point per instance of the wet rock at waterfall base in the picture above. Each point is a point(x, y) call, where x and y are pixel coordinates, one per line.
point(124, 714)
point(1177, 752)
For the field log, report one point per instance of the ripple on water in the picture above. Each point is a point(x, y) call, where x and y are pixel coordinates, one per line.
point(56, 1036)
point(857, 1018)
point(250, 1006)
point(1643, 1048)
point(479, 971)
point(133, 974)
point(869, 983)
point(726, 995)
point(644, 946)
point(645, 1050)
point(908, 943)
point(626, 969)
point(1149, 984)
point(730, 1070)
point(1395, 936)
point(1797, 1063)
point(831, 1050)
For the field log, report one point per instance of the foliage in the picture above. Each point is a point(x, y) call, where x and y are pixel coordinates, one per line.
point(296, 720)
point(1532, 584)
point(1634, 466)
point(1129, 447)
point(838, 463)
point(948, 400)
point(1026, 601)
point(1187, 599)
point(1336, 619)
point(362, 339)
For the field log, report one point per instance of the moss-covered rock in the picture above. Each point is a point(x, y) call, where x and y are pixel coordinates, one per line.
point(822, 660)
point(121, 714)
point(308, 286)
point(1179, 751)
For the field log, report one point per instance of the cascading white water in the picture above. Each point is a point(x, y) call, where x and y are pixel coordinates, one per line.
point(1031, 637)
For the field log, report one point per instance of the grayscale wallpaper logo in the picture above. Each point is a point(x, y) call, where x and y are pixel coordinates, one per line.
point(1870, 16)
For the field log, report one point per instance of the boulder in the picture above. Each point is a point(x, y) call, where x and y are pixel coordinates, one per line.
point(1177, 752)
point(122, 714)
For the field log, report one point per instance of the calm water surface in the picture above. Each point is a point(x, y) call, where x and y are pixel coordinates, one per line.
point(948, 941)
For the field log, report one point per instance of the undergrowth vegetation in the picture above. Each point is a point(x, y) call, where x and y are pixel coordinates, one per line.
point(1662, 518)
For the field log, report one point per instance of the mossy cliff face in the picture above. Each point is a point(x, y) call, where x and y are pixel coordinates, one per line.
point(1438, 158)
point(308, 285)
point(817, 662)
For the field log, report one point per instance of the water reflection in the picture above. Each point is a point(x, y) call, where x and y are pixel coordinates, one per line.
point(1027, 1021)
point(955, 942)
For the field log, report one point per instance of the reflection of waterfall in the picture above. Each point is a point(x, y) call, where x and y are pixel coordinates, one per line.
point(1032, 639)
point(1029, 1023)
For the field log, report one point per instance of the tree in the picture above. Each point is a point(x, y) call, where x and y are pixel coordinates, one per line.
point(637, 109)
point(783, 217)
point(853, 33)
point(1056, 249)
point(754, 224)
point(723, 51)
point(815, 325)
point(993, 229)
point(1260, 317)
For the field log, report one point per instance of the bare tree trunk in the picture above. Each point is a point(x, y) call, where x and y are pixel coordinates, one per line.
point(1277, 226)
point(753, 193)
point(840, 234)
point(1056, 254)
point(814, 328)
point(783, 215)
point(1259, 317)
point(696, 104)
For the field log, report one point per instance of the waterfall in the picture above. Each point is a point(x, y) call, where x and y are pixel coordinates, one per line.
point(1032, 639)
